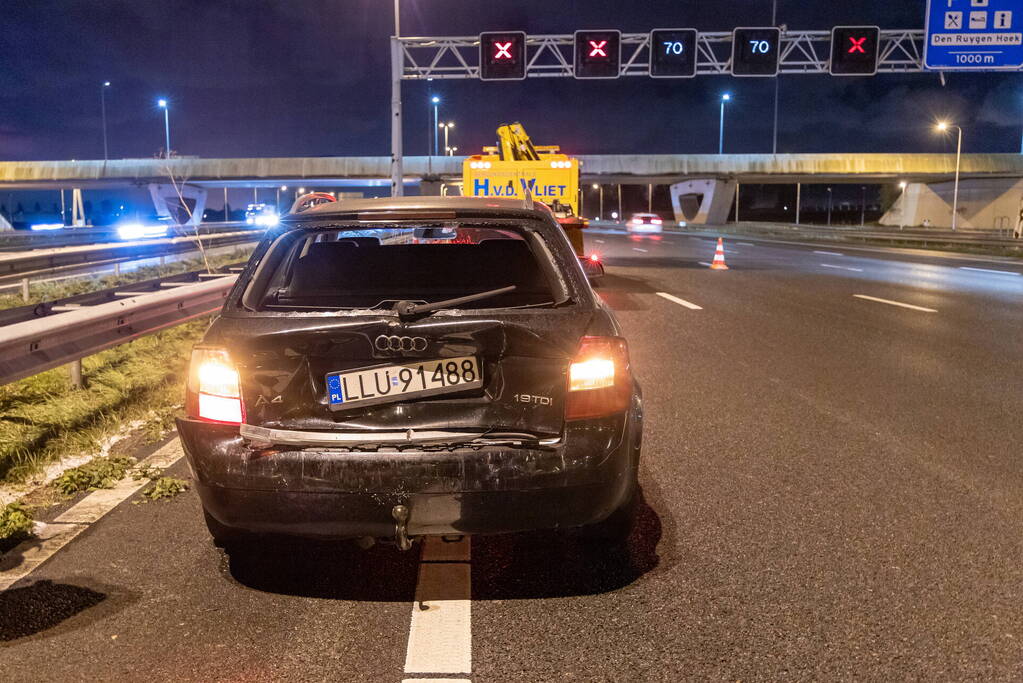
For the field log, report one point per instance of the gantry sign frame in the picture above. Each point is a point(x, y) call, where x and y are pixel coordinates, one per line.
point(552, 56)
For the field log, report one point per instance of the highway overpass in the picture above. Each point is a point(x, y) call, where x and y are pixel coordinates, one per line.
point(606, 168)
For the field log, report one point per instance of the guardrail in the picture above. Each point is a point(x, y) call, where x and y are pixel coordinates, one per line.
point(15, 240)
point(910, 236)
point(16, 265)
point(921, 237)
point(58, 333)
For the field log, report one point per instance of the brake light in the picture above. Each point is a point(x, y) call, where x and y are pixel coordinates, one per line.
point(599, 379)
point(655, 221)
point(214, 390)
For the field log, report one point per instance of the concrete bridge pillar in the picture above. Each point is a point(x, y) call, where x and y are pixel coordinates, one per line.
point(77, 208)
point(185, 204)
point(702, 201)
point(984, 203)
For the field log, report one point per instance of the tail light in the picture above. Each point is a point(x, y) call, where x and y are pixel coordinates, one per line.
point(214, 391)
point(599, 379)
point(655, 221)
point(595, 258)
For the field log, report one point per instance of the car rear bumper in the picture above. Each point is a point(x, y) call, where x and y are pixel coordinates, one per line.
point(337, 493)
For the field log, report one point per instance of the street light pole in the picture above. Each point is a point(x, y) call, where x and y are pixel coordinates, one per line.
point(397, 59)
point(863, 204)
point(955, 189)
point(436, 124)
point(721, 124)
point(103, 109)
point(942, 127)
point(774, 144)
point(166, 127)
point(829, 207)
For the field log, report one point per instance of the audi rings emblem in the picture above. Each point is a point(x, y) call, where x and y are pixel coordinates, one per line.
point(395, 343)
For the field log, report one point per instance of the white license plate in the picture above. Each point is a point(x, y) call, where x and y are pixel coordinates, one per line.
point(398, 382)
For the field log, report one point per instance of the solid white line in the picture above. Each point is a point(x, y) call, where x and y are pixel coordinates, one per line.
point(638, 249)
point(51, 537)
point(440, 634)
point(829, 253)
point(704, 263)
point(829, 265)
point(895, 303)
point(681, 302)
point(990, 270)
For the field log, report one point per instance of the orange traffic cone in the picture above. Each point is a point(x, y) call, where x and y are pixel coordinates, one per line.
point(719, 257)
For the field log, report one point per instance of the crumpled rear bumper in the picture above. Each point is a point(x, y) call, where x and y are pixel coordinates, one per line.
point(325, 492)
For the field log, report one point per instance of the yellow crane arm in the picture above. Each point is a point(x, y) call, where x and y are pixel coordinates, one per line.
point(515, 143)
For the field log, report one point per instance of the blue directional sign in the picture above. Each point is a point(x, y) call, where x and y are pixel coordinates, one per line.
point(978, 35)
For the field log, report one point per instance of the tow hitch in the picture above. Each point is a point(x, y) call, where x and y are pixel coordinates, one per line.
point(400, 514)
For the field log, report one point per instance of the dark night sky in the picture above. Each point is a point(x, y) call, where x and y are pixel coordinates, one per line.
point(310, 77)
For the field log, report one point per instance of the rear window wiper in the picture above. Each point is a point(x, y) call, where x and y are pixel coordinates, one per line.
point(407, 310)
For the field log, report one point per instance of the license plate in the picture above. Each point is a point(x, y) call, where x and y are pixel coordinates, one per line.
point(387, 383)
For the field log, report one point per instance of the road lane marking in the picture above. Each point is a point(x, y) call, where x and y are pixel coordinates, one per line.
point(704, 263)
point(681, 302)
point(440, 633)
point(638, 249)
point(829, 253)
point(52, 536)
point(600, 241)
point(990, 270)
point(895, 303)
point(746, 244)
point(831, 265)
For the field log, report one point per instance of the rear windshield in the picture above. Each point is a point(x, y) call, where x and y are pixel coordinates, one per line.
point(338, 268)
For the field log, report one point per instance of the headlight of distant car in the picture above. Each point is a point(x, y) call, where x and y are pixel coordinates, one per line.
point(137, 231)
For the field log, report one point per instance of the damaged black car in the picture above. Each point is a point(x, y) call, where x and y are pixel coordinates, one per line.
point(402, 367)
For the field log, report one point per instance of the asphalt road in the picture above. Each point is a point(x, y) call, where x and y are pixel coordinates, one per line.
point(832, 490)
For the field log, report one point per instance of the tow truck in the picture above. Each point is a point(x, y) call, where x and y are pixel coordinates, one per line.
point(516, 168)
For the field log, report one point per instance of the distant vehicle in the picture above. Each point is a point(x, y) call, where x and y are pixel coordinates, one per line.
point(644, 222)
point(149, 228)
point(261, 214)
point(403, 367)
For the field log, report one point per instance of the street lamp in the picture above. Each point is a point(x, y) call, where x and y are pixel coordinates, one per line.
point(435, 101)
point(103, 109)
point(721, 124)
point(942, 127)
point(451, 151)
point(162, 104)
point(447, 129)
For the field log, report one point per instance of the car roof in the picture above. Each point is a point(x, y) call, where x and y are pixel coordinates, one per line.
point(462, 205)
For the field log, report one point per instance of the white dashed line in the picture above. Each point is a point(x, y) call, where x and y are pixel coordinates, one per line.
point(831, 265)
point(746, 244)
point(990, 270)
point(704, 263)
point(681, 302)
point(600, 241)
point(895, 303)
point(828, 253)
point(638, 249)
point(53, 536)
point(440, 635)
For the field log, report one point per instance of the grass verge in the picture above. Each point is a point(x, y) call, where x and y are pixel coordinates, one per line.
point(43, 420)
point(48, 291)
point(15, 524)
